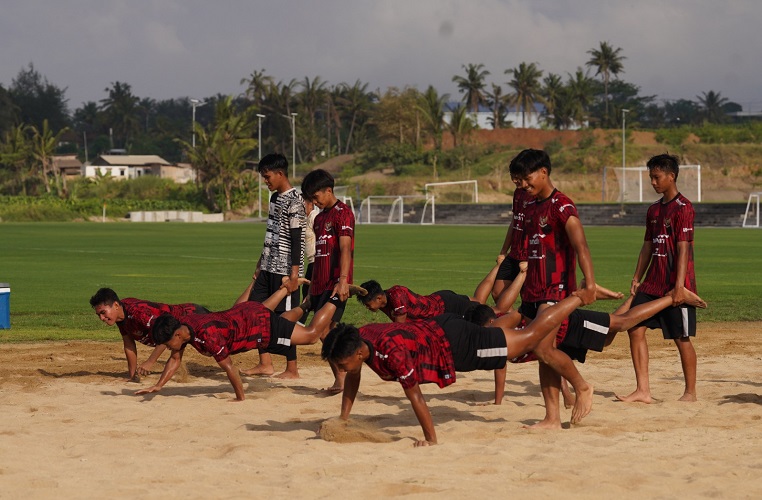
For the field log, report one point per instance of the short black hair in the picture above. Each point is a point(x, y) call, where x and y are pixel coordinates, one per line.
point(104, 296)
point(341, 342)
point(315, 181)
point(665, 162)
point(373, 288)
point(528, 161)
point(164, 327)
point(480, 314)
point(273, 162)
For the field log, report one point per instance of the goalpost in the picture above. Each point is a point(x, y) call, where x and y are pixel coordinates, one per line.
point(437, 187)
point(391, 209)
point(632, 184)
point(340, 192)
point(752, 211)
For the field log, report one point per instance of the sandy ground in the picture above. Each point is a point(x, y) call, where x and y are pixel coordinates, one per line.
point(72, 428)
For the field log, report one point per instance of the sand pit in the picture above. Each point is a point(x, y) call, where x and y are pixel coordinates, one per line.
point(72, 428)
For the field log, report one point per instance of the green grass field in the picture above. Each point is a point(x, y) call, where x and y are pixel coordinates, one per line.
point(54, 268)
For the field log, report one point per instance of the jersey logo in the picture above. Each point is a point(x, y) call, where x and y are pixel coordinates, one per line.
point(329, 226)
point(667, 223)
point(543, 221)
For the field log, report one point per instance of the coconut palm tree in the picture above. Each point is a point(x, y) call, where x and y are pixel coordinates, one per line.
point(43, 147)
point(526, 88)
point(607, 61)
point(355, 103)
point(472, 85)
point(256, 86)
point(122, 111)
point(552, 87)
point(498, 103)
point(712, 106)
point(461, 125)
point(581, 92)
point(15, 153)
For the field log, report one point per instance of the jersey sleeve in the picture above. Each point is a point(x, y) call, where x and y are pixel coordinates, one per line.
point(399, 363)
point(213, 342)
point(346, 224)
point(564, 209)
point(683, 223)
point(397, 300)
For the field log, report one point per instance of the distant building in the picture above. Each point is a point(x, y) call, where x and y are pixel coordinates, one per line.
point(68, 165)
point(133, 166)
point(512, 117)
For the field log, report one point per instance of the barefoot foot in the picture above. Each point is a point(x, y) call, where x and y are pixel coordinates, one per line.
point(259, 371)
point(545, 424)
point(688, 397)
point(287, 375)
point(583, 405)
point(636, 397)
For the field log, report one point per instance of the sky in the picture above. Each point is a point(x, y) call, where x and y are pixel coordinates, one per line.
point(674, 49)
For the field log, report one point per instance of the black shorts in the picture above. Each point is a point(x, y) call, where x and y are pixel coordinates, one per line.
point(586, 330)
point(530, 309)
point(267, 284)
point(675, 322)
point(199, 309)
point(455, 303)
point(473, 347)
point(280, 337)
point(318, 301)
point(508, 269)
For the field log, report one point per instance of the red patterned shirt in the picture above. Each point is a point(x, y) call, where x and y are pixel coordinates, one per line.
point(552, 260)
point(139, 316)
point(243, 327)
point(411, 353)
point(521, 200)
point(667, 224)
point(402, 301)
point(331, 224)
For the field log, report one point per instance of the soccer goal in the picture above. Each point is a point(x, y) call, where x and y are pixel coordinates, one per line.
point(751, 216)
point(454, 191)
point(393, 209)
point(342, 193)
point(632, 184)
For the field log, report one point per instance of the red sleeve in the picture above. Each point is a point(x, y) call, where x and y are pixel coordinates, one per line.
point(214, 342)
point(399, 363)
point(684, 223)
point(347, 223)
point(397, 300)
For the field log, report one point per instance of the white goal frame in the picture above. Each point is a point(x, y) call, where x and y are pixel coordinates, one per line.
point(397, 208)
point(640, 175)
point(452, 183)
point(752, 209)
point(340, 192)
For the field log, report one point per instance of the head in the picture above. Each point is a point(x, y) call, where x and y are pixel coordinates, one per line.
point(482, 315)
point(166, 330)
point(274, 170)
point(375, 299)
point(343, 347)
point(317, 186)
point(308, 206)
point(106, 304)
point(530, 170)
point(663, 170)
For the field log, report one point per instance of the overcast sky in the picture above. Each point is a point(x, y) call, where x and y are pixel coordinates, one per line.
point(198, 48)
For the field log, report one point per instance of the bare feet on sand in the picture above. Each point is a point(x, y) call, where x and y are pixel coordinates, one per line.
point(688, 397)
point(583, 404)
point(545, 424)
point(636, 397)
point(287, 375)
point(259, 371)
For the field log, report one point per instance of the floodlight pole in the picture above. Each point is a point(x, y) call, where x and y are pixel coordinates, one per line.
point(624, 117)
point(293, 145)
point(195, 103)
point(259, 143)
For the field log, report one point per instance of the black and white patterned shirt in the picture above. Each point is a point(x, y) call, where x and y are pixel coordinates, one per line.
point(286, 213)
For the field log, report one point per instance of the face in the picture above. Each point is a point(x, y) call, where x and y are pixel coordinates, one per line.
point(109, 313)
point(376, 303)
point(661, 181)
point(533, 183)
point(273, 179)
point(323, 198)
point(516, 181)
point(351, 364)
point(176, 342)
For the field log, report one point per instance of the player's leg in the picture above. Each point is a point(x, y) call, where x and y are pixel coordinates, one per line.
point(639, 353)
point(688, 362)
point(484, 288)
point(550, 384)
point(507, 298)
point(318, 327)
point(626, 317)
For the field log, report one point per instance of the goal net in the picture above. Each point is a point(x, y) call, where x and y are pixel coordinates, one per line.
point(751, 216)
point(342, 193)
point(632, 184)
point(453, 192)
point(396, 210)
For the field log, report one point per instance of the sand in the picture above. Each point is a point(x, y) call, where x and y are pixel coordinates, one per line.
point(72, 428)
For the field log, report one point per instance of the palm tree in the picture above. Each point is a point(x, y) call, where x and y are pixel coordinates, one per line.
point(526, 87)
point(581, 92)
point(310, 100)
point(15, 152)
point(712, 106)
point(121, 108)
point(498, 103)
point(256, 86)
point(44, 144)
point(607, 61)
point(431, 108)
point(552, 87)
point(472, 85)
point(354, 101)
point(460, 125)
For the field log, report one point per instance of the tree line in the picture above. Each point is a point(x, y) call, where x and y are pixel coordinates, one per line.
point(327, 119)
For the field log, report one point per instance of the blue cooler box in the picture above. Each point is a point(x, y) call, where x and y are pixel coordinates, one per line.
point(5, 305)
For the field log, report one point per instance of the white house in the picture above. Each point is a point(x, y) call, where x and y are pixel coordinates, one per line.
point(134, 166)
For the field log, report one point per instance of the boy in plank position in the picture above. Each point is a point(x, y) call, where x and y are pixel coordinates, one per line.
point(666, 259)
point(433, 350)
point(555, 243)
point(246, 326)
point(134, 318)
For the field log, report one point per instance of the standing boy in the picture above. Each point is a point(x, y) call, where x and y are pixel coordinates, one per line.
point(282, 254)
point(555, 243)
point(514, 247)
point(667, 255)
point(334, 251)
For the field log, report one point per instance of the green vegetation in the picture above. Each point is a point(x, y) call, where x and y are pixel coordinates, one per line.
point(53, 269)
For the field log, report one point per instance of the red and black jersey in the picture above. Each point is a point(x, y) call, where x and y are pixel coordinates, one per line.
point(521, 199)
point(243, 327)
point(552, 260)
point(402, 301)
point(411, 353)
point(139, 316)
point(331, 224)
point(667, 224)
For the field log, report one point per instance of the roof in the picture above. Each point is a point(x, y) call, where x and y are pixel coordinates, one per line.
point(130, 160)
point(66, 161)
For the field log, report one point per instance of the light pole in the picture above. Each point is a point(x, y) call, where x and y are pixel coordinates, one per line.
point(624, 118)
point(259, 142)
point(293, 145)
point(195, 103)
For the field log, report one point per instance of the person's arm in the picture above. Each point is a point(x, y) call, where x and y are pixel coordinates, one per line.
point(351, 386)
point(399, 319)
point(576, 234)
point(295, 234)
point(173, 363)
point(423, 415)
point(235, 379)
point(345, 262)
point(644, 258)
point(131, 353)
point(244, 297)
point(500, 384)
point(145, 366)
point(678, 294)
point(507, 243)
